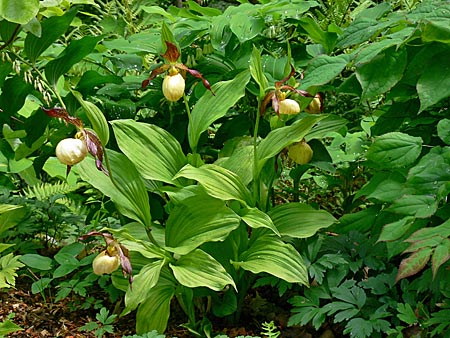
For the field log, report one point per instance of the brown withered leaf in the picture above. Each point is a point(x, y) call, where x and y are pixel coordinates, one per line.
point(61, 113)
point(172, 53)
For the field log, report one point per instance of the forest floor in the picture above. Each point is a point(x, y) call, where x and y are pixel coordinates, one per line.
point(41, 318)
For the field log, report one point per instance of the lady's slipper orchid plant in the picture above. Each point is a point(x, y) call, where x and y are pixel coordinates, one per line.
point(71, 151)
point(280, 104)
point(174, 81)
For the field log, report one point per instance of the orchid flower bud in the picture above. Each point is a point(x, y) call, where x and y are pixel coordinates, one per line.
point(71, 151)
point(288, 107)
point(105, 264)
point(173, 86)
point(300, 152)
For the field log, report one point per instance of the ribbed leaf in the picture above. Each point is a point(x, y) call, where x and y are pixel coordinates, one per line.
point(218, 182)
point(300, 220)
point(156, 154)
point(142, 284)
point(197, 269)
point(71, 55)
point(128, 193)
point(52, 29)
point(324, 68)
point(271, 255)
point(96, 117)
point(280, 138)
point(255, 218)
point(441, 255)
point(197, 220)
point(210, 108)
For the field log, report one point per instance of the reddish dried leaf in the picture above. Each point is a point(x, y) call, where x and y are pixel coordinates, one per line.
point(95, 148)
point(265, 102)
point(441, 255)
point(61, 113)
point(414, 263)
point(155, 72)
point(292, 73)
point(198, 75)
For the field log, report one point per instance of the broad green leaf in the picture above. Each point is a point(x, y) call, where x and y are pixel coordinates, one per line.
point(257, 71)
point(8, 266)
point(368, 52)
point(438, 30)
point(382, 72)
point(246, 27)
point(443, 130)
point(324, 68)
point(394, 150)
point(218, 182)
point(156, 154)
point(11, 217)
point(273, 256)
point(360, 30)
point(52, 29)
point(384, 186)
point(442, 230)
point(434, 84)
point(256, 218)
point(73, 53)
point(153, 314)
point(414, 263)
point(143, 283)
point(19, 11)
point(212, 107)
point(300, 220)
point(432, 173)
point(420, 206)
point(37, 262)
point(157, 10)
point(280, 138)
point(315, 32)
point(17, 88)
point(395, 230)
point(96, 117)
point(199, 269)
point(441, 255)
point(125, 186)
point(197, 220)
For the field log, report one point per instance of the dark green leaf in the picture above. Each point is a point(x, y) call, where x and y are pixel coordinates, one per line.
point(324, 68)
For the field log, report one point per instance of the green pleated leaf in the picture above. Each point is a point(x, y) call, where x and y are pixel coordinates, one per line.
point(153, 314)
point(414, 263)
point(257, 71)
point(210, 108)
point(128, 193)
point(19, 11)
point(300, 220)
point(218, 182)
point(255, 218)
point(246, 27)
point(197, 269)
point(72, 54)
point(156, 154)
point(273, 256)
point(142, 284)
point(96, 117)
point(434, 84)
point(52, 29)
point(382, 73)
point(394, 150)
point(280, 138)
point(197, 220)
point(324, 68)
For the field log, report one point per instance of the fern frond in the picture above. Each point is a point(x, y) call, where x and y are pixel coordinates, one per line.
point(45, 191)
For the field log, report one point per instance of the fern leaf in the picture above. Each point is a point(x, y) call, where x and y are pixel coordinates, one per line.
point(8, 266)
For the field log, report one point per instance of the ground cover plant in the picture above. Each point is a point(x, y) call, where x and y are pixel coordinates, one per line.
point(188, 157)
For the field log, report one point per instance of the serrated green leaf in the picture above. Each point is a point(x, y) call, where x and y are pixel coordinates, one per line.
point(434, 84)
point(199, 269)
point(382, 72)
point(441, 255)
point(156, 154)
point(127, 191)
point(324, 68)
point(360, 30)
point(394, 150)
point(300, 220)
point(212, 107)
point(359, 328)
point(406, 313)
point(196, 220)
point(273, 256)
point(73, 53)
point(7, 327)
point(8, 266)
point(218, 182)
point(96, 117)
point(414, 263)
point(420, 206)
point(395, 230)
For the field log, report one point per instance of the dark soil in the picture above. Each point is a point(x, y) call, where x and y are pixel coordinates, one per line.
point(44, 318)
